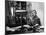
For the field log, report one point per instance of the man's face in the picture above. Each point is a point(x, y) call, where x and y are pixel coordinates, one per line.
point(29, 7)
point(33, 14)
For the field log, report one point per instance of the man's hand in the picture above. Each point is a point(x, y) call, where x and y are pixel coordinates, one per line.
point(27, 26)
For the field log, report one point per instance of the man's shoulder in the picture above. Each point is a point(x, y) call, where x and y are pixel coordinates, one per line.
point(37, 18)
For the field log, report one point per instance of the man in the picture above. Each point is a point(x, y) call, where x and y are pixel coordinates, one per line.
point(34, 21)
point(34, 18)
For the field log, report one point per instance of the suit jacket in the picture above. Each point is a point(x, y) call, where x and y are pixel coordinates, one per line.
point(35, 21)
